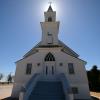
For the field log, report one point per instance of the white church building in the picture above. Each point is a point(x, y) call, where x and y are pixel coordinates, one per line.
point(51, 70)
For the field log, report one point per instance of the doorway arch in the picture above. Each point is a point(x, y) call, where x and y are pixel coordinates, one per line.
point(49, 57)
point(49, 66)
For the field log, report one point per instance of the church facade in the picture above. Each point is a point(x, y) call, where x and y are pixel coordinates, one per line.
point(51, 61)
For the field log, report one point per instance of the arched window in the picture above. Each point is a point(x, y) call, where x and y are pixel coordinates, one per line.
point(49, 57)
point(49, 19)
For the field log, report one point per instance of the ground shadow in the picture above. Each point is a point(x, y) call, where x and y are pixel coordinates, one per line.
point(10, 98)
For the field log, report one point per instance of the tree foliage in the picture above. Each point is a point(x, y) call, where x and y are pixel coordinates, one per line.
point(9, 78)
point(94, 78)
point(1, 76)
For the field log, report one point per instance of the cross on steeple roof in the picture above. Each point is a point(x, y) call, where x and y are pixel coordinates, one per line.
point(50, 8)
point(50, 2)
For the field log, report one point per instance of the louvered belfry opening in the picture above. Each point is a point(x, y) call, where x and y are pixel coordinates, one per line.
point(50, 19)
point(49, 57)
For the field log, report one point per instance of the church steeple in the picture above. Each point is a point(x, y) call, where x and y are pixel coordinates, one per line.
point(50, 15)
point(50, 28)
point(50, 9)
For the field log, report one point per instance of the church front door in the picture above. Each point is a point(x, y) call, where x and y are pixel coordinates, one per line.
point(49, 70)
point(49, 66)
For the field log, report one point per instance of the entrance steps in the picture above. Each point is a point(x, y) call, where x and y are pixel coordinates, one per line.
point(47, 90)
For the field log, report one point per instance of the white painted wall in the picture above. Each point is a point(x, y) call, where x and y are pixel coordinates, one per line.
point(52, 28)
point(50, 14)
point(79, 79)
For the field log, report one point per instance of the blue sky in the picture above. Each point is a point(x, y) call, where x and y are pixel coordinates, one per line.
point(20, 29)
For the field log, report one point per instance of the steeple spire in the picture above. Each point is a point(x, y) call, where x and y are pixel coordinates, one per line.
point(50, 7)
point(50, 3)
point(50, 28)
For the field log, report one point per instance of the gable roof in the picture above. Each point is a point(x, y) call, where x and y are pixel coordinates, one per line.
point(68, 50)
point(65, 49)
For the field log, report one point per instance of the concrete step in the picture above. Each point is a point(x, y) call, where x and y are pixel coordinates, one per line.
point(46, 97)
point(45, 90)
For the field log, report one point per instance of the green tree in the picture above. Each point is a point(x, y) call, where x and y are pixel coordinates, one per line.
point(94, 78)
point(1, 76)
point(9, 78)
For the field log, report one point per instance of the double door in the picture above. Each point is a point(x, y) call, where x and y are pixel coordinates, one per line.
point(49, 70)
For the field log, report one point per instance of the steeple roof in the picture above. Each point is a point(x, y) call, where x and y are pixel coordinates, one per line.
point(50, 9)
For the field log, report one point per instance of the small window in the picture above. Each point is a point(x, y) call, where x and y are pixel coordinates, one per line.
point(49, 19)
point(38, 64)
point(61, 64)
point(28, 69)
point(71, 68)
point(49, 34)
point(75, 90)
point(49, 57)
point(50, 38)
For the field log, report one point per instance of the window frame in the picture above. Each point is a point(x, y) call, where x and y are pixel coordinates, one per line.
point(29, 69)
point(60, 64)
point(71, 68)
point(50, 38)
point(49, 57)
point(75, 90)
point(38, 64)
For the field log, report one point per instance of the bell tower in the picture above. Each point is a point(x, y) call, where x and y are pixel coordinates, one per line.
point(50, 28)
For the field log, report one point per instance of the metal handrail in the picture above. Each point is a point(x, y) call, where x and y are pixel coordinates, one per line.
point(65, 83)
point(66, 87)
point(30, 85)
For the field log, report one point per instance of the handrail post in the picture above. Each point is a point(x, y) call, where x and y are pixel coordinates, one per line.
point(27, 89)
point(21, 95)
point(66, 87)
